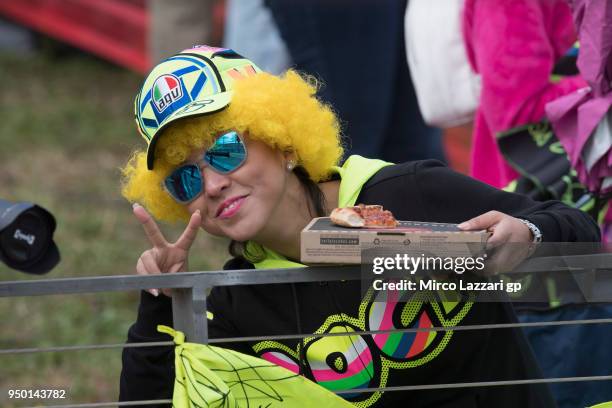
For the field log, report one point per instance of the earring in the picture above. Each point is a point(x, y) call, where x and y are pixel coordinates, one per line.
point(290, 165)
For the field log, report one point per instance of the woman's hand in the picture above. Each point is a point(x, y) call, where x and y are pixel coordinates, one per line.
point(505, 229)
point(165, 257)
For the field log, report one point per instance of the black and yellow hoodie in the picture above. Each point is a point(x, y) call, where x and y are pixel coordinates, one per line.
point(421, 191)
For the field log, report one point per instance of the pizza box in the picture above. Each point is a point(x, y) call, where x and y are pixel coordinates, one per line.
point(324, 242)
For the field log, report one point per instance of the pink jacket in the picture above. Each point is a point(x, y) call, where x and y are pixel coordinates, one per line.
point(513, 45)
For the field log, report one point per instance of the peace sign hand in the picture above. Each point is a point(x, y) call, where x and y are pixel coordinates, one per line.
point(165, 257)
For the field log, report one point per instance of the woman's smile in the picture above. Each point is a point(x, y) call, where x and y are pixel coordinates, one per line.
point(230, 207)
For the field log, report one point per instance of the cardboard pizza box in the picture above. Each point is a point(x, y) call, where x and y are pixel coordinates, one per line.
point(324, 242)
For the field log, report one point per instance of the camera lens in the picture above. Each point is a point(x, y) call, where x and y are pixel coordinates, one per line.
point(26, 240)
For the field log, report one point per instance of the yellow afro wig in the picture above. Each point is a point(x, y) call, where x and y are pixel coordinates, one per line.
point(282, 112)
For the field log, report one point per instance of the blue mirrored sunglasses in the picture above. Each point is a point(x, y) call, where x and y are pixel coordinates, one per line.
point(227, 154)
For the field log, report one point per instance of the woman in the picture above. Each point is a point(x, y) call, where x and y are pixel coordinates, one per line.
point(252, 157)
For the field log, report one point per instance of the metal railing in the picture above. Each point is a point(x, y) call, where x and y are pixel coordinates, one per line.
point(189, 308)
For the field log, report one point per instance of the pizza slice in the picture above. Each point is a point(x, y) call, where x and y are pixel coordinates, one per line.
point(363, 216)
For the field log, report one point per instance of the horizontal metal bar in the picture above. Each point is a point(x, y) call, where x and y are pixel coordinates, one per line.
point(313, 335)
point(415, 330)
point(478, 384)
point(85, 347)
point(107, 404)
point(565, 263)
point(122, 283)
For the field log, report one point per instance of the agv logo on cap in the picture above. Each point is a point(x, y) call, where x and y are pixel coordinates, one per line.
point(166, 90)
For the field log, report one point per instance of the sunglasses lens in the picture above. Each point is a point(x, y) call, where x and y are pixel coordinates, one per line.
point(184, 183)
point(227, 153)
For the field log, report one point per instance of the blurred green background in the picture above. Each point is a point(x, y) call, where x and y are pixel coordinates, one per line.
point(66, 127)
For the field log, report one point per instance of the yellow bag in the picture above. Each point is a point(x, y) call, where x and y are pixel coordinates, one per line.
point(209, 376)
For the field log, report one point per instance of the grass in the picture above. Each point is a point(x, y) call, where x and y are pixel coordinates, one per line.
point(67, 127)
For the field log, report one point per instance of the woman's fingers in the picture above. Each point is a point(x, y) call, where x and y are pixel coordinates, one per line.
point(191, 232)
point(150, 263)
point(142, 270)
point(487, 221)
point(176, 267)
point(498, 237)
point(150, 227)
point(483, 221)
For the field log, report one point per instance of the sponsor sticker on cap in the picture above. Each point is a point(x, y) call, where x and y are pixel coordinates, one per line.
point(166, 90)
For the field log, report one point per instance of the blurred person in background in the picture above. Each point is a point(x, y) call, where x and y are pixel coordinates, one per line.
point(356, 49)
point(516, 46)
point(513, 46)
point(447, 89)
point(250, 28)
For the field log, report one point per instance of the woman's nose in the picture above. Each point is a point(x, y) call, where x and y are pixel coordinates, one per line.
point(214, 183)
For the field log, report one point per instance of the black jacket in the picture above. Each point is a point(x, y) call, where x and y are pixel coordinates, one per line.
point(422, 191)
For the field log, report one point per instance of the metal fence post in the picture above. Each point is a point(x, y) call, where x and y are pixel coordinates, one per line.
point(189, 313)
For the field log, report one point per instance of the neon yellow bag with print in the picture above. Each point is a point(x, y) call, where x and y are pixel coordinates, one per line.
point(209, 376)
